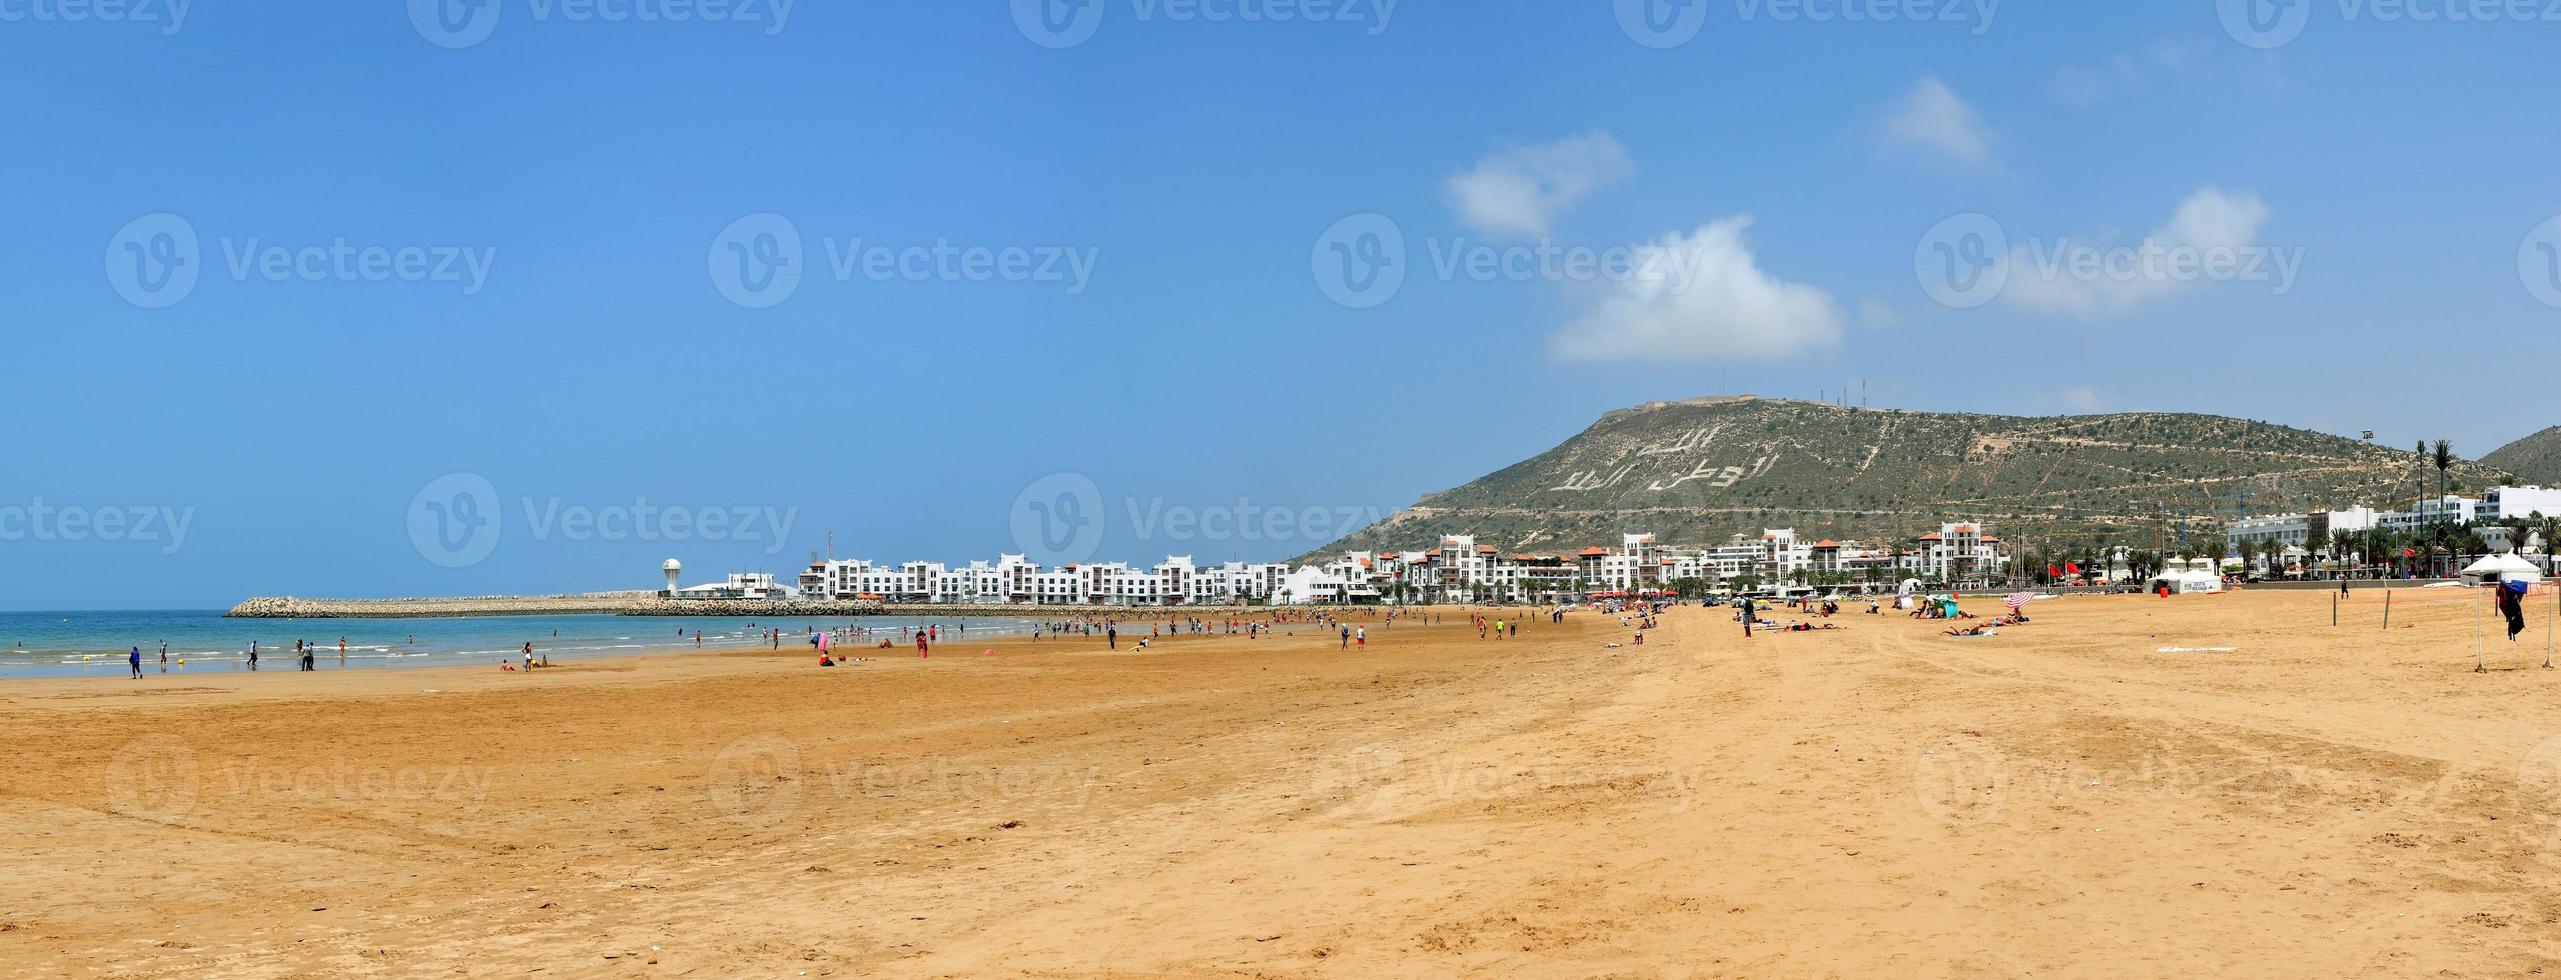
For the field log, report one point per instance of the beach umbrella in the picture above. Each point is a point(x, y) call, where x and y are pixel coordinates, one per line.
point(2018, 599)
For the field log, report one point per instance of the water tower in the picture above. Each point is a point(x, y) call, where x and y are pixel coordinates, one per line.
point(673, 568)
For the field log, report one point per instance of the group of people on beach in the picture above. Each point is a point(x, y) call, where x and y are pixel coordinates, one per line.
point(1749, 611)
point(306, 657)
point(1350, 627)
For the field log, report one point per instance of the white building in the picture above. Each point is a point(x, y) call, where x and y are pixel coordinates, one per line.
point(740, 585)
point(2519, 503)
point(1956, 553)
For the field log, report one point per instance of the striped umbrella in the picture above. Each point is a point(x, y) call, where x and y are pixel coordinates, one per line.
point(2018, 599)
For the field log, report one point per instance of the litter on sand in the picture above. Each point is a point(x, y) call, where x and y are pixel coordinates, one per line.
point(2196, 650)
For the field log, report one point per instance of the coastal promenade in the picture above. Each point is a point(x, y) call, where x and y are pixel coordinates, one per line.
point(651, 604)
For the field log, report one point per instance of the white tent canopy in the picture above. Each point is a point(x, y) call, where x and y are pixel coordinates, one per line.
point(2184, 577)
point(2503, 568)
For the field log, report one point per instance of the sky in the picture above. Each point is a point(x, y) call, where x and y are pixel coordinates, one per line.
point(457, 298)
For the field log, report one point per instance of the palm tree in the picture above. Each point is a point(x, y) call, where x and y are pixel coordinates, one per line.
point(2551, 537)
point(2443, 457)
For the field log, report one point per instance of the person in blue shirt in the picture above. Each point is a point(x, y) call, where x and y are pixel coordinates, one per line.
point(135, 659)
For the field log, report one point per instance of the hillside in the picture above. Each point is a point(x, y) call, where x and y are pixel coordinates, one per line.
point(1697, 472)
point(2534, 459)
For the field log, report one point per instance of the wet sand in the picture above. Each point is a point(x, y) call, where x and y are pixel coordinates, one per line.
point(2061, 800)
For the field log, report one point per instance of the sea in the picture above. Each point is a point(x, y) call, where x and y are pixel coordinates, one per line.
point(78, 644)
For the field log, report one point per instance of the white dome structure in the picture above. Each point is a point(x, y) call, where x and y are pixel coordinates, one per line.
point(673, 568)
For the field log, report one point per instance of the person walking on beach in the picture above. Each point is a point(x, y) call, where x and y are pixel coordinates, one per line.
point(1746, 607)
point(1112, 634)
point(253, 655)
point(135, 659)
point(1360, 636)
point(164, 656)
point(1347, 638)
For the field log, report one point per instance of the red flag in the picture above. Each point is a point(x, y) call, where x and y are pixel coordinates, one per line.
point(2053, 572)
point(2071, 568)
point(2408, 553)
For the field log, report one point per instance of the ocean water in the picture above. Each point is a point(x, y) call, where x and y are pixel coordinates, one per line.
point(74, 644)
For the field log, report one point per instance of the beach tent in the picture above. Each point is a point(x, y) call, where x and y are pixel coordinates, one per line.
point(2502, 568)
point(2185, 580)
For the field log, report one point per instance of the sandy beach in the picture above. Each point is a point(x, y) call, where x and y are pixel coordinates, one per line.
point(2282, 798)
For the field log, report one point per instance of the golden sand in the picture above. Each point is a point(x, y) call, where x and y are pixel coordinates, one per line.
point(2061, 800)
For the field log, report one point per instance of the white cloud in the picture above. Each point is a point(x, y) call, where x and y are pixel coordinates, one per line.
point(2080, 85)
point(1934, 118)
point(2098, 278)
point(1519, 192)
point(1701, 296)
point(1875, 312)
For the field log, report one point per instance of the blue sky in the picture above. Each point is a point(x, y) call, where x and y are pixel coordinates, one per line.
point(499, 251)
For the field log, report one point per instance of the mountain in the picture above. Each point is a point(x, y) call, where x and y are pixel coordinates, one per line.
point(2535, 459)
point(1697, 472)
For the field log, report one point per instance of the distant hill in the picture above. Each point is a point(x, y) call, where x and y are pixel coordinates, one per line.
point(2535, 459)
point(1696, 472)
